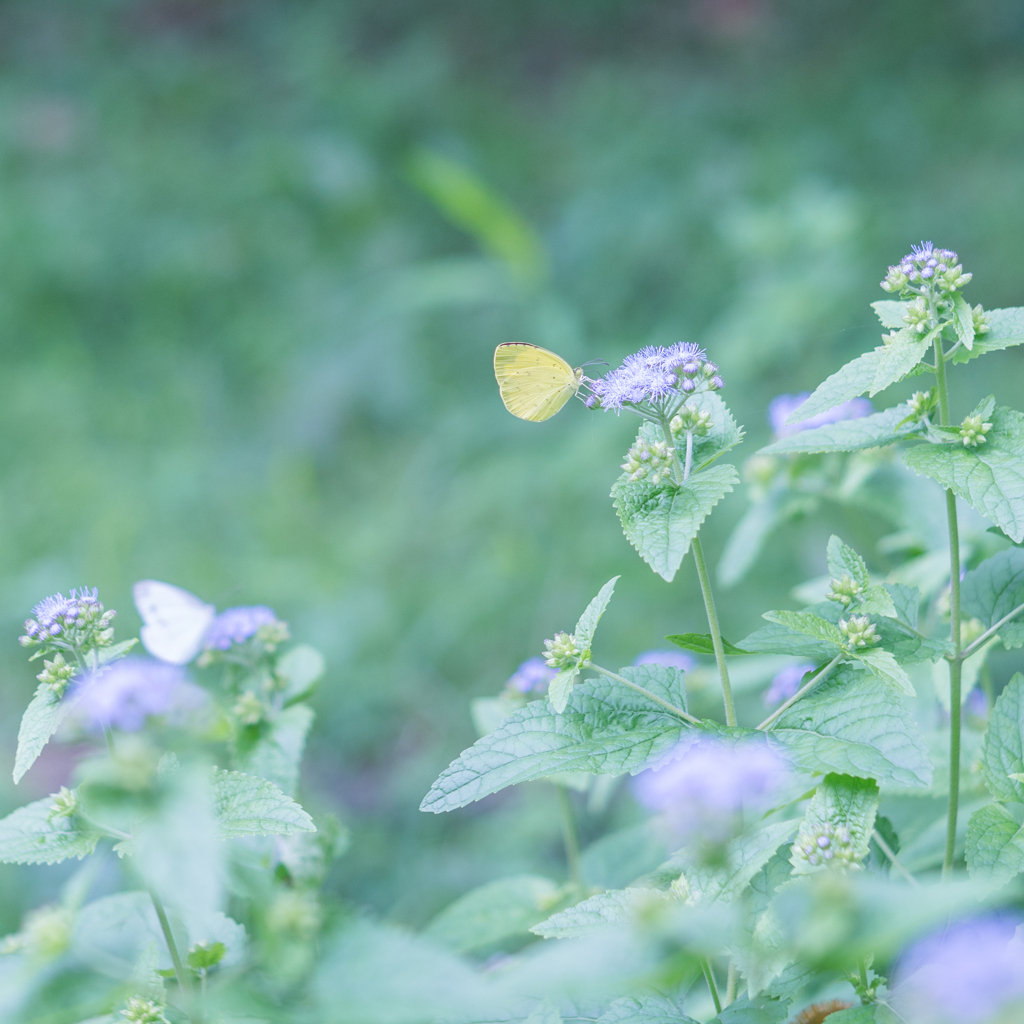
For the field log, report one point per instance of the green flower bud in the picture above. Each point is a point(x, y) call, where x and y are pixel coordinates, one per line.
point(561, 652)
point(650, 462)
point(45, 934)
point(760, 470)
point(64, 805)
point(273, 633)
point(918, 316)
point(981, 324)
point(859, 631)
point(248, 708)
point(923, 403)
point(828, 846)
point(57, 674)
point(691, 421)
point(844, 590)
point(973, 431)
point(295, 913)
point(143, 1011)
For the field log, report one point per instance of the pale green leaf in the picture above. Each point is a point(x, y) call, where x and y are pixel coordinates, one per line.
point(876, 600)
point(906, 602)
point(31, 835)
point(105, 655)
point(854, 724)
point(40, 721)
point(874, 431)
point(644, 1010)
point(891, 313)
point(493, 912)
point(246, 805)
point(1002, 753)
point(748, 536)
point(901, 352)
point(761, 1010)
point(995, 588)
point(1006, 329)
point(725, 433)
point(990, 477)
point(561, 686)
point(852, 380)
point(702, 643)
point(606, 729)
point(871, 1013)
point(844, 561)
point(808, 624)
point(620, 858)
point(840, 801)
point(963, 321)
point(277, 754)
point(660, 521)
point(584, 632)
point(1012, 634)
point(995, 844)
point(299, 669)
point(606, 908)
point(885, 667)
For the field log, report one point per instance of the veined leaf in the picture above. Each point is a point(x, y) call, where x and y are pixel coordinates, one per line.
point(34, 835)
point(963, 321)
point(844, 561)
point(852, 380)
point(898, 356)
point(660, 521)
point(702, 643)
point(245, 805)
point(561, 686)
point(598, 911)
point(1006, 329)
point(874, 431)
point(606, 729)
point(277, 754)
point(989, 477)
point(853, 724)
point(840, 801)
point(995, 844)
point(584, 632)
point(994, 588)
point(891, 313)
point(42, 717)
point(876, 600)
point(644, 1010)
point(1002, 753)
point(725, 432)
point(808, 624)
point(300, 669)
point(884, 666)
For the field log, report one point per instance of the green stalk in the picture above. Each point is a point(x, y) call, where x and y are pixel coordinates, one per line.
point(709, 977)
point(956, 662)
point(803, 691)
point(570, 836)
point(647, 693)
point(180, 972)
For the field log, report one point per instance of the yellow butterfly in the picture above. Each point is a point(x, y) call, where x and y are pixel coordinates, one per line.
point(534, 382)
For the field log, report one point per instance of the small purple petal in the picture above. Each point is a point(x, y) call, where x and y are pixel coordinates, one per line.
point(783, 406)
point(671, 659)
point(236, 625)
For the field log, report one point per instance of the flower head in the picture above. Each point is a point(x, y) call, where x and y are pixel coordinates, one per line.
point(825, 846)
point(783, 406)
point(77, 621)
point(649, 461)
point(787, 682)
point(966, 974)
point(859, 631)
point(973, 431)
point(123, 694)
point(844, 590)
point(236, 625)
point(656, 376)
point(671, 659)
point(562, 652)
point(532, 676)
point(926, 265)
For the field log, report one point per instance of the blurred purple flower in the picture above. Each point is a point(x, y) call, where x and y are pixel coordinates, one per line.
point(787, 682)
point(782, 406)
point(672, 659)
point(532, 676)
point(702, 786)
point(977, 703)
point(236, 625)
point(966, 974)
point(123, 694)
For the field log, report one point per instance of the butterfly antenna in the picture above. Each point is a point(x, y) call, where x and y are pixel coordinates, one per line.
point(595, 362)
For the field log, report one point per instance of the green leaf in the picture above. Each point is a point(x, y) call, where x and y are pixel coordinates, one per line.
point(725, 432)
point(644, 1010)
point(660, 521)
point(808, 624)
point(105, 655)
point(493, 912)
point(994, 588)
point(597, 912)
point(1006, 329)
point(874, 431)
point(876, 600)
point(561, 686)
point(901, 352)
point(891, 313)
point(1012, 634)
point(300, 669)
point(963, 321)
point(42, 717)
point(756, 525)
point(885, 667)
point(853, 724)
point(852, 380)
point(761, 1010)
point(844, 561)
point(840, 801)
point(606, 729)
point(277, 754)
point(584, 632)
point(989, 477)
point(34, 835)
point(245, 805)
point(995, 844)
point(1002, 753)
point(701, 643)
point(619, 858)
point(872, 1013)
point(906, 602)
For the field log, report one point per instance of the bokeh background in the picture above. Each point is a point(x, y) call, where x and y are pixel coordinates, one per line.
point(255, 258)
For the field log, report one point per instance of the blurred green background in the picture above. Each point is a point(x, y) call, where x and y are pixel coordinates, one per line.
point(255, 258)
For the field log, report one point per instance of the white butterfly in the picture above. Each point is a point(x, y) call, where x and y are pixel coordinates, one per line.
point(175, 621)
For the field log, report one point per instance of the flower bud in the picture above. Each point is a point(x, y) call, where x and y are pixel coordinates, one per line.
point(980, 317)
point(859, 631)
point(64, 805)
point(922, 403)
point(248, 708)
point(917, 316)
point(143, 1011)
point(692, 421)
point(827, 846)
point(561, 652)
point(650, 461)
point(973, 431)
point(844, 590)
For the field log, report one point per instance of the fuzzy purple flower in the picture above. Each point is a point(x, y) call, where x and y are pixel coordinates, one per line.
point(236, 625)
point(786, 683)
point(703, 786)
point(653, 375)
point(77, 621)
point(124, 694)
point(783, 406)
point(965, 975)
point(672, 659)
point(532, 676)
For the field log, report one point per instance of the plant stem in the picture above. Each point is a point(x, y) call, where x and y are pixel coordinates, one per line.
point(570, 836)
point(730, 985)
point(989, 633)
point(956, 663)
point(710, 979)
point(863, 977)
point(805, 689)
point(647, 693)
point(180, 973)
point(887, 850)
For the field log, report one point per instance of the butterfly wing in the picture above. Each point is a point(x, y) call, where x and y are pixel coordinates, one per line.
point(534, 382)
point(174, 621)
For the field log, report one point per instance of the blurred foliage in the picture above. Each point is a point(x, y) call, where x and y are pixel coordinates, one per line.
point(256, 257)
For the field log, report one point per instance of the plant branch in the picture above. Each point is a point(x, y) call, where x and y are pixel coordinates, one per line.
point(887, 850)
point(647, 693)
point(989, 633)
point(803, 691)
point(180, 972)
point(709, 977)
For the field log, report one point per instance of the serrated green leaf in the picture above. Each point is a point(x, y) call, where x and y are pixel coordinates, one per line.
point(852, 380)
point(874, 431)
point(853, 724)
point(1012, 635)
point(963, 321)
point(300, 669)
point(105, 655)
point(760, 1010)
point(756, 525)
point(606, 908)
point(606, 729)
point(584, 632)
point(876, 600)
point(871, 1013)
point(493, 912)
point(840, 801)
point(989, 477)
point(725, 433)
point(885, 667)
point(42, 717)
point(561, 686)
point(618, 858)
point(906, 602)
point(277, 754)
point(660, 521)
point(1002, 753)
point(891, 313)
point(995, 844)
point(1006, 329)
point(902, 351)
point(808, 624)
point(32, 835)
point(644, 1010)
point(994, 589)
point(702, 643)
point(245, 805)
point(844, 561)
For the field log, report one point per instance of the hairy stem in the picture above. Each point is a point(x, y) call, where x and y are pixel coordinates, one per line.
point(647, 693)
point(709, 977)
point(803, 691)
point(887, 850)
point(180, 973)
point(989, 633)
point(570, 836)
point(688, 465)
point(730, 985)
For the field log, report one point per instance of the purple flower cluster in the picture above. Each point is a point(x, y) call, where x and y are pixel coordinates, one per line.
point(236, 625)
point(532, 676)
point(54, 614)
point(124, 694)
point(786, 683)
point(672, 659)
point(703, 786)
point(967, 974)
point(924, 261)
point(654, 374)
point(783, 406)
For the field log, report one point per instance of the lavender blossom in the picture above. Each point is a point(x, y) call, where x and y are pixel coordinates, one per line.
point(657, 376)
point(532, 676)
point(783, 406)
point(964, 975)
point(77, 621)
point(787, 682)
point(672, 659)
point(123, 694)
point(236, 625)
